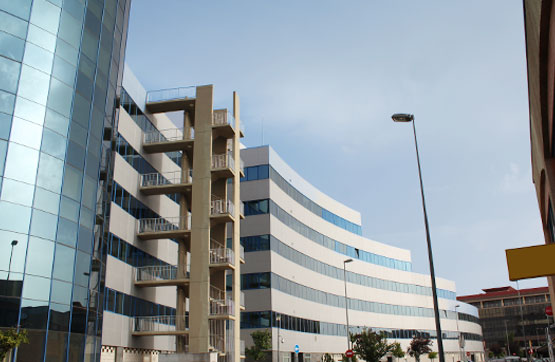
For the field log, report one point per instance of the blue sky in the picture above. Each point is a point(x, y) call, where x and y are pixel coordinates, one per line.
point(319, 81)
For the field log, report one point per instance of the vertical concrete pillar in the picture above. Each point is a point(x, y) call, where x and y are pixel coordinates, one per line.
point(236, 231)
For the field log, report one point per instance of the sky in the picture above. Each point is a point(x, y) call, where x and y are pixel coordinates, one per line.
point(319, 81)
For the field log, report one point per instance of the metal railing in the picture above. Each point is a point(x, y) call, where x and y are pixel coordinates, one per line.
point(242, 208)
point(221, 206)
point(161, 323)
point(221, 307)
point(242, 298)
point(216, 293)
point(166, 178)
point(166, 135)
point(156, 272)
point(222, 117)
point(169, 94)
point(242, 252)
point(242, 166)
point(224, 160)
point(221, 256)
point(160, 224)
point(217, 335)
point(242, 346)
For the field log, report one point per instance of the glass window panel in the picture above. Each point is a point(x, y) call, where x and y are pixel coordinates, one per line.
point(75, 8)
point(69, 209)
point(21, 155)
point(11, 46)
point(78, 134)
point(9, 72)
point(86, 218)
point(7, 101)
point(43, 224)
point(87, 67)
point(72, 183)
point(20, 8)
point(19, 249)
point(90, 44)
point(64, 71)
point(53, 144)
point(41, 38)
point(5, 126)
point(33, 84)
point(50, 173)
point(80, 294)
point(63, 263)
point(18, 192)
point(85, 239)
point(67, 232)
point(89, 193)
point(26, 133)
point(59, 321)
point(67, 52)
point(39, 257)
point(70, 29)
point(35, 287)
point(38, 58)
point(60, 97)
point(56, 122)
point(46, 15)
point(29, 111)
point(46, 200)
point(75, 155)
point(61, 292)
point(3, 149)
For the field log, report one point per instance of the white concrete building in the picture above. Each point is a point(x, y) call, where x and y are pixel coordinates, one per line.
point(296, 239)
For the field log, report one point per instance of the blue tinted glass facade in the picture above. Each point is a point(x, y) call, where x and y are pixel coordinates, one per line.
point(59, 71)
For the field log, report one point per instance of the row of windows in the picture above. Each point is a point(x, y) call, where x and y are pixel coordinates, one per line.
point(270, 242)
point(268, 319)
point(143, 122)
point(256, 207)
point(262, 172)
point(272, 280)
point(130, 204)
point(119, 248)
point(131, 306)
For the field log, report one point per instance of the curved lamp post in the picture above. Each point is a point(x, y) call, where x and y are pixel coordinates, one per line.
point(14, 243)
point(404, 117)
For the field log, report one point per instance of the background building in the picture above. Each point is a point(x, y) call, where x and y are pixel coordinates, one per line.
point(60, 70)
point(296, 240)
point(501, 317)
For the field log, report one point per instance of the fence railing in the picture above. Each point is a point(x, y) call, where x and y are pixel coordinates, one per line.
point(221, 307)
point(161, 323)
point(242, 252)
point(152, 225)
point(224, 160)
point(243, 298)
point(166, 178)
point(162, 95)
point(222, 117)
point(166, 135)
point(221, 256)
point(242, 346)
point(217, 334)
point(216, 293)
point(221, 206)
point(155, 272)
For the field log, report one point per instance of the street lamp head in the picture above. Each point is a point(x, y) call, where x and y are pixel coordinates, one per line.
point(347, 261)
point(402, 117)
point(278, 318)
point(458, 306)
point(14, 242)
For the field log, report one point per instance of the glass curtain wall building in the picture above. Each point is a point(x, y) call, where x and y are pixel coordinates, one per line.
point(61, 64)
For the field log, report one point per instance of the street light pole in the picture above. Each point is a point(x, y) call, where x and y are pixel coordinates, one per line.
point(346, 300)
point(14, 243)
point(410, 118)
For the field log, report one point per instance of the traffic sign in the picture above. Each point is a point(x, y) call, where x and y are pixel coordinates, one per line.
point(349, 353)
point(468, 354)
point(297, 349)
point(549, 310)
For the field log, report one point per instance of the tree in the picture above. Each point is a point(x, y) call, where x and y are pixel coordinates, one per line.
point(10, 339)
point(397, 351)
point(496, 350)
point(328, 358)
point(370, 346)
point(419, 346)
point(262, 342)
point(432, 355)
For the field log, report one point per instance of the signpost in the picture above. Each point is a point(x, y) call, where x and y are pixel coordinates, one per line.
point(549, 310)
point(349, 353)
point(297, 349)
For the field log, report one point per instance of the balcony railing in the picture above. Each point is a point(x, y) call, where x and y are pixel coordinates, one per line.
point(242, 298)
point(160, 224)
point(166, 178)
point(242, 346)
point(224, 160)
point(166, 135)
point(223, 118)
point(242, 252)
point(216, 293)
point(162, 95)
point(221, 256)
point(221, 206)
point(217, 335)
point(161, 323)
point(221, 307)
point(155, 272)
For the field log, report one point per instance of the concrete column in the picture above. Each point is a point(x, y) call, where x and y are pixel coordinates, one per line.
point(236, 231)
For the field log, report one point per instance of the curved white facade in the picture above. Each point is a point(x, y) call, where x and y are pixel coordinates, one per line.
point(296, 239)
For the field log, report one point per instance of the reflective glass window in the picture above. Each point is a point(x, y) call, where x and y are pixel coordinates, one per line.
point(9, 72)
point(60, 96)
point(82, 269)
point(41, 38)
point(70, 29)
point(61, 292)
point(67, 232)
point(50, 173)
point(35, 287)
point(38, 58)
point(11, 46)
point(77, 133)
point(86, 218)
point(46, 200)
point(45, 15)
point(3, 149)
point(40, 256)
point(7, 101)
point(80, 295)
point(43, 224)
point(18, 192)
point(5, 126)
point(29, 111)
point(89, 193)
point(69, 209)
point(20, 8)
point(20, 155)
point(75, 8)
point(72, 183)
point(19, 249)
point(59, 321)
point(64, 71)
point(53, 144)
point(63, 263)
point(56, 122)
point(26, 133)
point(13, 25)
point(66, 51)
point(76, 155)
point(33, 84)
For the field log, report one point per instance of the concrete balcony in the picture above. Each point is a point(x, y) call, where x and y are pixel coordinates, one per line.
point(223, 123)
point(159, 276)
point(168, 140)
point(222, 258)
point(167, 183)
point(163, 228)
point(222, 211)
point(222, 309)
point(170, 100)
point(223, 166)
point(161, 325)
